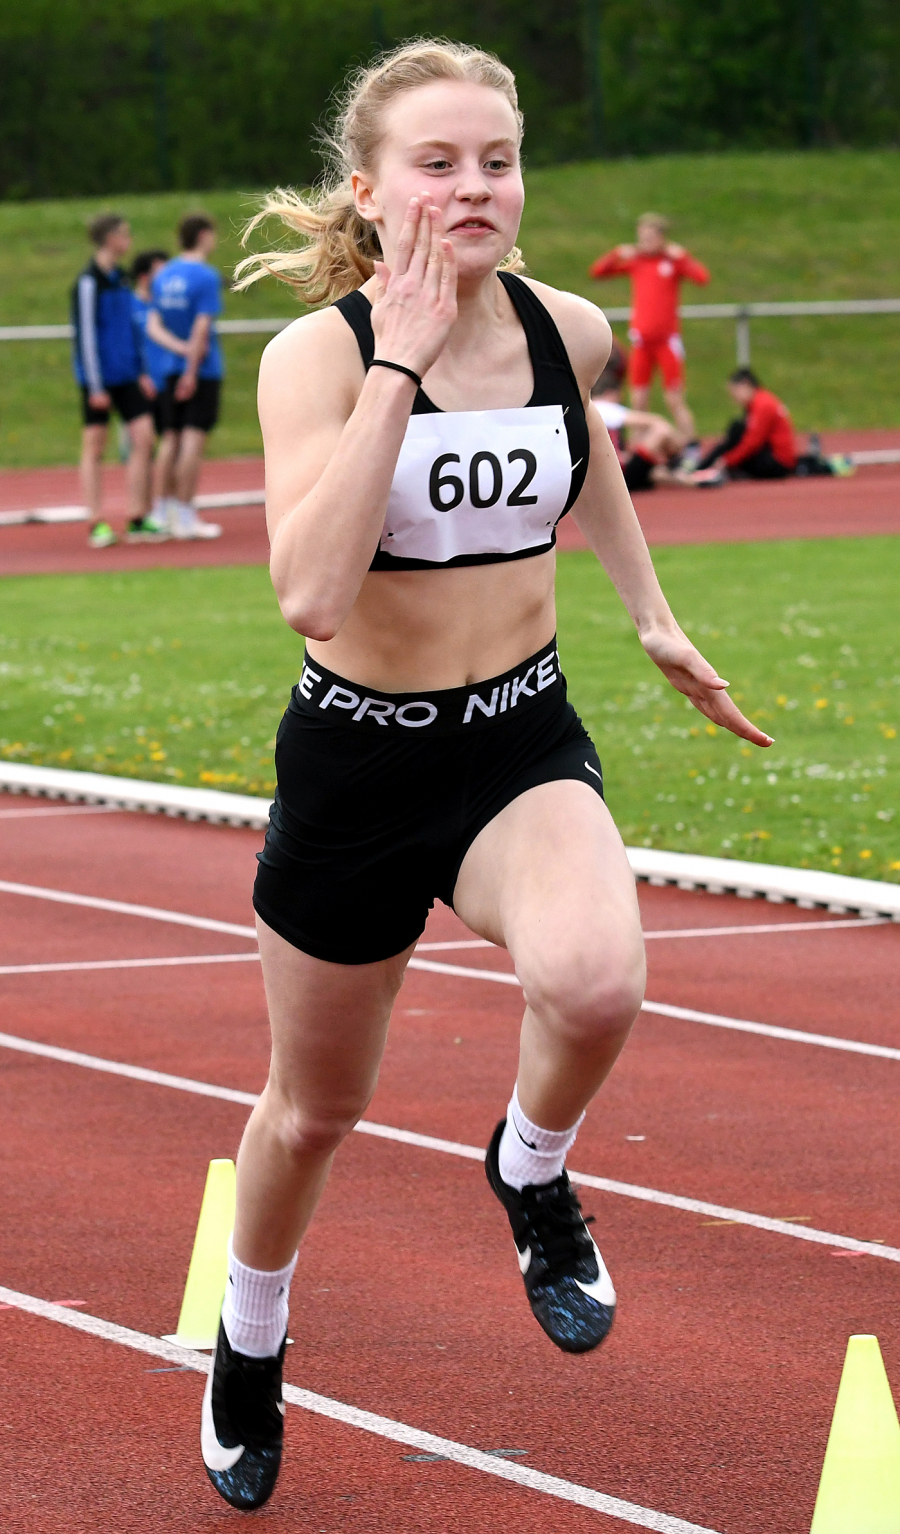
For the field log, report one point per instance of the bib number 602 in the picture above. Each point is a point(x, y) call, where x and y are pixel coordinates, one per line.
point(446, 490)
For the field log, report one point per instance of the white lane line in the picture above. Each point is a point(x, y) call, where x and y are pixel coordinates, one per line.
point(122, 908)
point(775, 926)
point(65, 809)
point(664, 932)
point(434, 967)
point(687, 1014)
point(371, 1422)
point(132, 1072)
point(769, 1031)
point(473, 942)
point(191, 958)
point(456, 1148)
point(208, 924)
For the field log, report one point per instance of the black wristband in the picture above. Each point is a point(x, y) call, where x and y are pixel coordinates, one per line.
point(379, 362)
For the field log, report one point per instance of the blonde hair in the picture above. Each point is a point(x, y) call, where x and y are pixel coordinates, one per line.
point(657, 221)
point(340, 246)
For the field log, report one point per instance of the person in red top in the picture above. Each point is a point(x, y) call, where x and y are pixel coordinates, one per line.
point(760, 443)
point(656, 268)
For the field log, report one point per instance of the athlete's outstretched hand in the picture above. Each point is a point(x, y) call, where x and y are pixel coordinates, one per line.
point(414, 304)
point(686, 669)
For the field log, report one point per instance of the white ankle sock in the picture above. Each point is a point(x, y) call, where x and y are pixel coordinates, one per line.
point(529, 1154)
point(255, 1312)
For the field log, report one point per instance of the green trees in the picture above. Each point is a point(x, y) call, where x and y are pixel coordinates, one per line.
point(98, 97)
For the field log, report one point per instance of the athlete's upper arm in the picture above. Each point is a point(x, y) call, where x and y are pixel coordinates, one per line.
point(309, 380)
point(585, 331)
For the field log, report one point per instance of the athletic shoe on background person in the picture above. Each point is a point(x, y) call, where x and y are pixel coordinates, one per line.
point(690, 457)
point(185, 523)
point(841, 464)
point(147, 529)
point(708, 479)
point(242, 1424)
point(101, 536)
point(565, 1278)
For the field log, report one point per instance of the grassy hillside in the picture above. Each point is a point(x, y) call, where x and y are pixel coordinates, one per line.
point(811, 225)
point(182, 675)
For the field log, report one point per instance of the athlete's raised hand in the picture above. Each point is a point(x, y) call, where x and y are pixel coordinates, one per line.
point(684, 666)
point(414, 305)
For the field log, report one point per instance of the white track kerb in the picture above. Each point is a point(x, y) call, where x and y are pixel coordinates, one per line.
point(807, 888)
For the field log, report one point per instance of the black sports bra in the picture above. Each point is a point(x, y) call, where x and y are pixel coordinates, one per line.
point(475, 487)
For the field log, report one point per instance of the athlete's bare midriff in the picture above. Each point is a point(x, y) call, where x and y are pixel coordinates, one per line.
point(421, 630)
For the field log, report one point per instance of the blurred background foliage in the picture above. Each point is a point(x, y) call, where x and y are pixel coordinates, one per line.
point(172, 94)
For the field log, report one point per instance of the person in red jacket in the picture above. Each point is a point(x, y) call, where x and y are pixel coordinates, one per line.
point(656, 268)
point(759, 444)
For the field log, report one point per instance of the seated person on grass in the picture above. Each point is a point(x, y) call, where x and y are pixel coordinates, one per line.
point(652, 441)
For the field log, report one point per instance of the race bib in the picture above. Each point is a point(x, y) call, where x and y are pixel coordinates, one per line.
point(478, 482)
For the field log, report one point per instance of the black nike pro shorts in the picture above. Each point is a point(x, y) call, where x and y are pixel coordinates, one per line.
point(380, 796)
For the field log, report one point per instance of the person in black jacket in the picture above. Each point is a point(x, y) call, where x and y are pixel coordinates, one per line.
point(106, 362)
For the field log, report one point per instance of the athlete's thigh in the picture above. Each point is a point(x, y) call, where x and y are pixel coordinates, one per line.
point(328, 1021)
point(549, 876)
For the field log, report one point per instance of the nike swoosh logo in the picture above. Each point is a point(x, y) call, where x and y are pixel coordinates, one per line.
point(601, 1289)
point(524, 1259)
point(215, 1455)
point(594, 771)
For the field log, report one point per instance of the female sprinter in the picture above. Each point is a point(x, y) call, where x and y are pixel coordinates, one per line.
point(423, 437)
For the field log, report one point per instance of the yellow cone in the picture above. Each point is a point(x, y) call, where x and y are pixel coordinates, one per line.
point(859, 1492)
point(198, 1324)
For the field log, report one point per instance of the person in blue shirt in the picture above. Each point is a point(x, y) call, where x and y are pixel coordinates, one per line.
point(156, 362)
point(186, 297)
point(106, 361)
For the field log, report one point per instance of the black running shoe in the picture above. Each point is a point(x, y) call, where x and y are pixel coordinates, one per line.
point(242, 1424)
point(566, 1280)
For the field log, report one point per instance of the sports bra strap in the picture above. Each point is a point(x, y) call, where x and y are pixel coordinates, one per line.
point(357, 311)
point(545, 343)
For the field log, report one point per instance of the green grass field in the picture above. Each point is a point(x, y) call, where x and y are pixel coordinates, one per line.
point(182, 675)
point(770, 226)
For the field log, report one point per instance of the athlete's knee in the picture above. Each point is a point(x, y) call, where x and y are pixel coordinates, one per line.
point(584, 995)
point(313, 1130)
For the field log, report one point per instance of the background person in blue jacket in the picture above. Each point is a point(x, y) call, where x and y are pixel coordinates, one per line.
point(187, 296)
point(106, 361)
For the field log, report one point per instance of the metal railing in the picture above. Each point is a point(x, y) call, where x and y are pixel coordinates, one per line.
point(742, 314)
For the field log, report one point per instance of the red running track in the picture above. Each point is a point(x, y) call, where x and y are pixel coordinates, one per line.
point(864, 505)
point(712, 1399)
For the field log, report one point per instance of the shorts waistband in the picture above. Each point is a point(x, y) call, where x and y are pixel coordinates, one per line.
point(333, 699)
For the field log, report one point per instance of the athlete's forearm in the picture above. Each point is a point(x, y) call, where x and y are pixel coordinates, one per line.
point(323, 546)
point(607, 518)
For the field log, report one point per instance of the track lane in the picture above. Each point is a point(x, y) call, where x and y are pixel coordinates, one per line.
point(384, 1301)
point(408, 1277)
point(744, 1127)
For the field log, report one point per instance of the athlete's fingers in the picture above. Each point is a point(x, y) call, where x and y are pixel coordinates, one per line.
point(718, 707)
point(435, 256)
point(406, 240)
point(448, 273)
point(419, 258)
